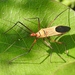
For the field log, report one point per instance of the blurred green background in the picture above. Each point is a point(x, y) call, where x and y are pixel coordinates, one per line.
point(70, 3)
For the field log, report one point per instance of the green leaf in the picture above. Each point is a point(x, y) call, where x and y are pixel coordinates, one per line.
point(66, 69)
point(18, 41)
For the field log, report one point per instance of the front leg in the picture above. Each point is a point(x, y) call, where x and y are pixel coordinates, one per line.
point(25, 52)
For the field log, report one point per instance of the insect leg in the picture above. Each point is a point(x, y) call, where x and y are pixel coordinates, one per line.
point(66, 51)
point(50, 54)
point(33, 22)
point(16, 24)
point(65, 48)
point(69, 17)
point(24, 53)
point(9, 46)
point(61, 57)
point(57, 17)
point(45, 59)
point(48, 45)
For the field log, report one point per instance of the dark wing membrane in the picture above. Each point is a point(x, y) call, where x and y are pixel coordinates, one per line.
point(62, 29)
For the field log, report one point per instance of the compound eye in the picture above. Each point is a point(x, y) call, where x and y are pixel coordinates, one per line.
point(62, 29)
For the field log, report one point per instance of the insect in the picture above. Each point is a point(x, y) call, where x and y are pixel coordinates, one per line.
point(44, 33)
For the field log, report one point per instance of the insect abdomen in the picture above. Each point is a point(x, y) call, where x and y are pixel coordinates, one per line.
point(52, 31)
point(62, 29)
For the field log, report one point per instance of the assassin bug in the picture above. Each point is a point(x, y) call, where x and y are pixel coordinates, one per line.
point(44, 33)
